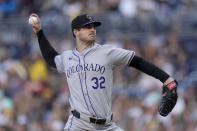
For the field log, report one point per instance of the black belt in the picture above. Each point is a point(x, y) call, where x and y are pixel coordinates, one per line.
point(92, 120)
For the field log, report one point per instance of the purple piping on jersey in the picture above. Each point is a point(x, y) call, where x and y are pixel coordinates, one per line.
point(71, 123)
point(81, 83)
point(133, 53)
point(86, 84)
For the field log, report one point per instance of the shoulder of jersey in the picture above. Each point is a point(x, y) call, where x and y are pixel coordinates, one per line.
point(105, 46)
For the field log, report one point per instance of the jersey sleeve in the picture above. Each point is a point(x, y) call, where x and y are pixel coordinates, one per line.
point(119, 56)
point(59, 63)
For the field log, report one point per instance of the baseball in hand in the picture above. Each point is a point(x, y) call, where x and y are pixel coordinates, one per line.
point(33, 20)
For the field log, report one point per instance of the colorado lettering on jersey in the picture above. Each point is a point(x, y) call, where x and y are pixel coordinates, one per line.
point(85, 67)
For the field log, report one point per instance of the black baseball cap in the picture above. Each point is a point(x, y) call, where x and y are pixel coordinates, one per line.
point(82, 20)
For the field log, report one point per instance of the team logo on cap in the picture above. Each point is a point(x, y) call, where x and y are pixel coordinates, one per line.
point(89, 17)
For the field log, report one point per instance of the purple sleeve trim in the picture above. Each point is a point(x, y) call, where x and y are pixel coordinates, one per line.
point(130, 59)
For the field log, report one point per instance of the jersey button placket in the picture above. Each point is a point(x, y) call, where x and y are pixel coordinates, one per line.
point(82, 70)
point(82, 73)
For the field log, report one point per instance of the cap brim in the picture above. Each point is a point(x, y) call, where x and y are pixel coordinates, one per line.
point(96, 23)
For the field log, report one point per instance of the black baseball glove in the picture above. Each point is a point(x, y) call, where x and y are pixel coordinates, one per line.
point(169, 98)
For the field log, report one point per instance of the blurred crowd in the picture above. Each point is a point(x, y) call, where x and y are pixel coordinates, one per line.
point(34, 97)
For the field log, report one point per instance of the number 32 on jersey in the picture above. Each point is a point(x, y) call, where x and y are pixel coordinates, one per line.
point(98, 82)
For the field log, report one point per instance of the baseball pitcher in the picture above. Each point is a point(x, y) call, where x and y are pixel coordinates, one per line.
point(89, 72)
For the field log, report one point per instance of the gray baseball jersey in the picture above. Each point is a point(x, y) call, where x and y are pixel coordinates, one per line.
point(90, 77)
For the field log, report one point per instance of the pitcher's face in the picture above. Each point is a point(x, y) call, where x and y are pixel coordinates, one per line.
point(87, 33)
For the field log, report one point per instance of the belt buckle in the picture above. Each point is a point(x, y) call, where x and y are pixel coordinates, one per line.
point(95, 121)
